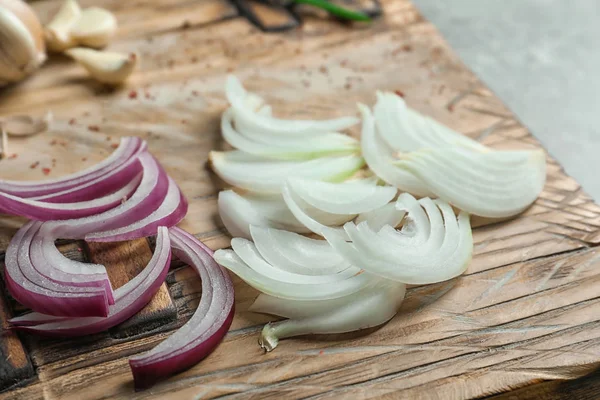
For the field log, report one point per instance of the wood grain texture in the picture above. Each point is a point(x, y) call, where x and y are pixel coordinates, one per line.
point(526, 310)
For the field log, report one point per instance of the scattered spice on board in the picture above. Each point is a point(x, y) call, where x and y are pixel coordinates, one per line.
point(323, 69)
point(133, 94)
point(13, 156)
point(195, 93)
point(46, 171)
point(407, 47)
point(34, 165)
point(84, 159)
point(72, 121)
point(94, 128)
point(114, 145)
point(399, 93)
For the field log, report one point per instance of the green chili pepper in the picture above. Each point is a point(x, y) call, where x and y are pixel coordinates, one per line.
point(336, 10)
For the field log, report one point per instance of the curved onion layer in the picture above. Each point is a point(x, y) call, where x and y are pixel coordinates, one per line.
point(292, 252)
point(147, 198)
point(406, 130)
point(45, 211)
point(386, 215)
point(428, 249)
point(129, 299)
point(298, 208)
point(32, 289)
point(265, 175)
point(128, 147)
point(170, 213)
point(379, 157)
point(369, 307)
point(351, 197)
point(292, 286)
point(299, 149)
point(236, 94)
point(203, 332)
point(109, 182)
point(494, 184)
point(239, 212)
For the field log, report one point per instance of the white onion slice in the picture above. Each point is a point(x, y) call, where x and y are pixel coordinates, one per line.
point(350, 197)
point(369, 307)
point(379, 157)
point(236, 94)
point(265, 175)
point(406, 130)
point(386, 215)
point(297, 208)
point(287, 290)
point(493, 184)
point(292, 252)
point(299, 149)
point(442, 252)
point(239, 212)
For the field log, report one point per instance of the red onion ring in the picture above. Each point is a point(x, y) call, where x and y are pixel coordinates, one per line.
point(203, 332)
point(127, 147)
point(170, 213)
point(129, 299)
point(35, 291)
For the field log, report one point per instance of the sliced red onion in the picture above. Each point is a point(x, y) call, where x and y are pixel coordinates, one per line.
point(33, 290)
point(107, 183)
point(127, 147)
point(170, 212)
point(129, 299)
point(44, 211)
point(196, 339)
point(148, 197)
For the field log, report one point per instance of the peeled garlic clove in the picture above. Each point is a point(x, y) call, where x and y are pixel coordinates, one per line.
point(26, 125)
point(21, 41)
point(58, 31)
point(106, 67)
point(95, 28)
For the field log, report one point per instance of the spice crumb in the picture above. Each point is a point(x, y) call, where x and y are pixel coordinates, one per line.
point(321, 352)
point(79, 249)
point(194, 60)
point(94, 128)
point(407, 47)
point(195, 93)
point(72, 121)
point(108, 138)
point(323, 69)
point(34, 165)
point(347, 86)
point(183, 121)
point(399, 93)
point(343, 63)
point(230, 69)
point(13, 156)
point(114, 145)
point(450, 107)
point(53, 142)
point(84, 159)
point(46, 171)
point(133, 94)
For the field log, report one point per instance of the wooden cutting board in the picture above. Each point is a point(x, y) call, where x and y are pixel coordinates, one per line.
point(525, 311)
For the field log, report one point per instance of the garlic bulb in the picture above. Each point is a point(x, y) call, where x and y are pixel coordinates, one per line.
point(103, 66)
point(22, 47)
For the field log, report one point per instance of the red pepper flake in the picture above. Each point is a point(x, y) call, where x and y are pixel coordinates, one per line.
point(13, 156)
point(321, 352)
point(84, 159)
point(183, 121)
point(46, 171)
point(34, 165)
point(94, 128)
point(323, 69)
point(230, 69)
point(53, 142)
point(79, 249)
point(450, 107)
point(72, 121)
point(399, 93)
point(407, 47)
point(133, 94)
point(114, 145)
point(195, 93)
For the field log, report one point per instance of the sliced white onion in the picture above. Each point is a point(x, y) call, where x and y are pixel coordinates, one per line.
point(386, 215)
point(406, 130)
point(287, 290)
point(298, 149)
point(350, 197)
point(298, 208)
point(493, 184)
point(236, 94)
point(239, 212)
point(369, 307)
point(379, 157)
point(265, 175)
point(431, 251)
point(292, 252)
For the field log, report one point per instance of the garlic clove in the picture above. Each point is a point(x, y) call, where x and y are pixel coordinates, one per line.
point(95, 28)
point(20, 51)
point(58, 31)
point(26, 125)
point(4, 148)
point(106, 67)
